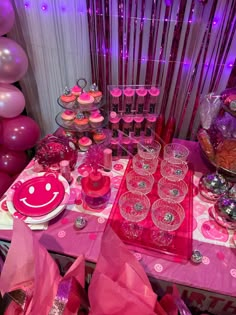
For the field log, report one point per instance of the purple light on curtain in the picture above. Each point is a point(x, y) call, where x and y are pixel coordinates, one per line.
point(158, 48)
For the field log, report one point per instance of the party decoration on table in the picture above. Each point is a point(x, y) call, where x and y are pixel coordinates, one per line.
point(38, 198)
point(13, 61)
point(126, 281)
point(80, 223)
point(196, 257)
point(51, 150)
point(7, 17)
point(224, 211)
point(49, 294)
point(212, 186)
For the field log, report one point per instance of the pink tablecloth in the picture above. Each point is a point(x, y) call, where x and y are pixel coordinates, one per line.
point(216, 273)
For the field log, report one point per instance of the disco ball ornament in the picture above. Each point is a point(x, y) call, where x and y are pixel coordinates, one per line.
point(53, 149)
point(225, 212)
point(212, 186)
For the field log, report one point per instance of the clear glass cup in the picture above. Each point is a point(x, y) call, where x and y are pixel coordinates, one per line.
point(174, 169)
point(139, 183)
point(134, 207)
point(166, 215)
point(148, 149)
point(174, 191)
point(176, 151)
point(141, 166)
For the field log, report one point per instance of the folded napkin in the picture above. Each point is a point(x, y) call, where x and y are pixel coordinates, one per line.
point(6, 219)
point(30, 281)
point(119, 285)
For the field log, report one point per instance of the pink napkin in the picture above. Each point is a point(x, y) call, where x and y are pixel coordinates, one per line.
point(119, 285)
point(31, 277)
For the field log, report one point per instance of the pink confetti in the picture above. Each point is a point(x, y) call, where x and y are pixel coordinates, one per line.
point(92, 236)
point(61, 234)
point(118, 167)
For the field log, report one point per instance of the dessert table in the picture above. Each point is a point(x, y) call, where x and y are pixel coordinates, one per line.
point(210, 285)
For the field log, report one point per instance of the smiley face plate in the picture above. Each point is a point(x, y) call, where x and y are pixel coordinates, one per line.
point(39, 198)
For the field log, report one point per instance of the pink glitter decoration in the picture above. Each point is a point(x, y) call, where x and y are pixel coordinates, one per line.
point(53, 149)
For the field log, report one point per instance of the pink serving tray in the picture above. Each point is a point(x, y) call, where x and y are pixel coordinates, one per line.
point(178, 246)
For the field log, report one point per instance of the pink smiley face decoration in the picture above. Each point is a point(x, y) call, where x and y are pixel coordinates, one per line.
point(39, 196)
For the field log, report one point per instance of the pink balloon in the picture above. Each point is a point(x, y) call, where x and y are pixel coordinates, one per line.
point(12, 101)
point(1, 132)
point(13, 61)
point(5, 182)
point(12, 162)
point(7, 17)
point(20, 133)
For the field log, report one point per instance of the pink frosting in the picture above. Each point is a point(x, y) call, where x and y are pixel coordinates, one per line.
point(85, 141)
point(128, 119)
point(76, 88)
point(116, 92)
point(138, 119)
point(141, 92)
point(154, 91)
point(85, 97)
point(129, 92)
point(114, 118)
point(95, 114)
point(68, 112)
point(151, 118)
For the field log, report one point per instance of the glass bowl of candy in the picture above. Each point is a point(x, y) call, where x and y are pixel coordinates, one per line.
point(217, 137)
point(166, 215)
point(139, 183)
point(174, 191)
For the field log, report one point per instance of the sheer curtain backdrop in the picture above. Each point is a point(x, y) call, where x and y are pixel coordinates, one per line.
point(55, 38)
point(187, 47)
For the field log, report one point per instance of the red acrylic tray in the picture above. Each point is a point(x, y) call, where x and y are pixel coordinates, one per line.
point(175, 245)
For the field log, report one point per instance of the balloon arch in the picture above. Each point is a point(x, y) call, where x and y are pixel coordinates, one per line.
point(18, 133)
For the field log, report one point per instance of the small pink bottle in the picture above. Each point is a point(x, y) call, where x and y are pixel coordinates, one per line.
point(140, 101)
point(127, 126)
point(115, 99)
point(114, 120)
point(128, 100)
point(138, 125)
point(153, 95)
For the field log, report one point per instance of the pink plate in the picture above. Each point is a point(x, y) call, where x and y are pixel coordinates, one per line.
point(38, 196)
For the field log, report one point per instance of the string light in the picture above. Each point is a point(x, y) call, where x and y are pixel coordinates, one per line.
point(27, 4)
point(44, 7)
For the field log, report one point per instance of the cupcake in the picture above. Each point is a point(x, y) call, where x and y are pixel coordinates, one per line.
point(76, 90)
point(99, 137)
point(85, 101)
point(96, 119)
point(84, 143)
point(67, 99)
point(95, 93)
point(81, 123)
point(68, 117)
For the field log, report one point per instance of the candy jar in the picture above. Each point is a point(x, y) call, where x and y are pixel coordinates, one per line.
point(217, 137)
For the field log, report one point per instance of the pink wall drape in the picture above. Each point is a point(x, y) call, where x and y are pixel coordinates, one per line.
point(185, 47)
